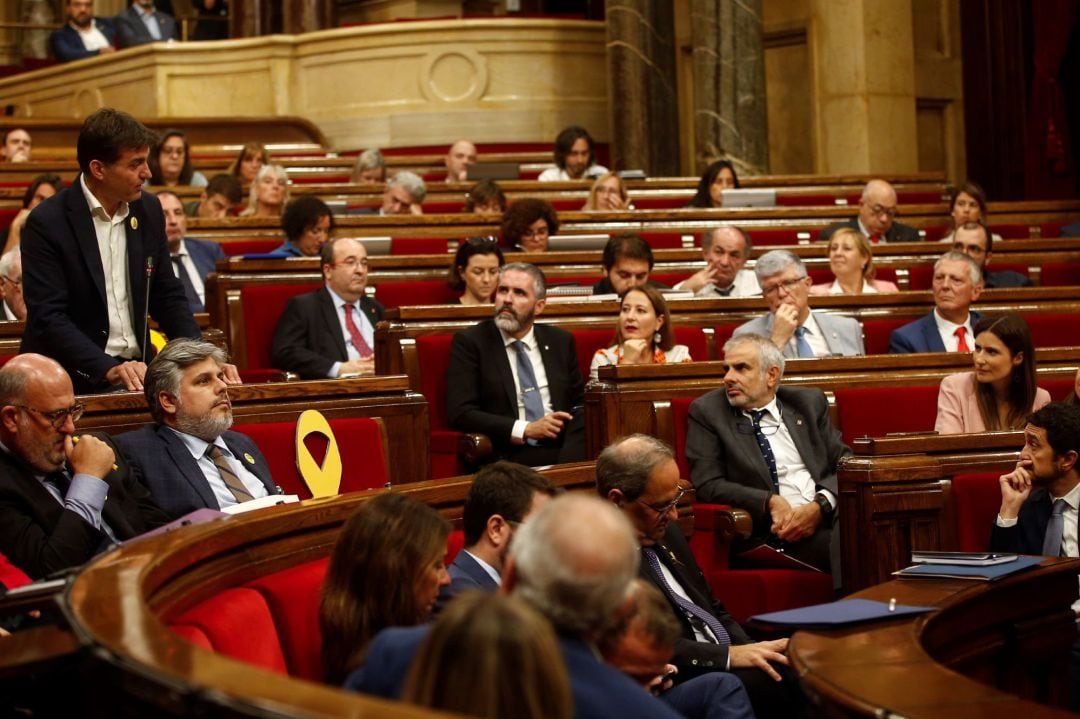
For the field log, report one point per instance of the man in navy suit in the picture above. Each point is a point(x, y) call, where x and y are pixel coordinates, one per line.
point(188, 458)
point(1040, 497)
point(192, 260)
point(957, 284)
point(502, 495)
point(516, 381)
point(91, 255)
point(574, 562)
point(83, 35)
point(142, 23)
point(330, 332)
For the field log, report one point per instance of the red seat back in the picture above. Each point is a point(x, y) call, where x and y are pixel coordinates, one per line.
point(293, 597)
point(588, 342)
point(876, 334)
point(359, 439)
point(419, 292)
point(1061, 274)
point(910, 409)
point(1054, 330)
point(454, 544)
point(433, 354)
point(680, 412)
point(239, 248)
point(419, 246)
point(263, 305)
point(671, 202)
point(976, 499)
point(664, 240)
point(238, 623)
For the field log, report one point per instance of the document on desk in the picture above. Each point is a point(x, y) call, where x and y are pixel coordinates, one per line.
point(838, 614)
point(766, 555)
point(966, 571)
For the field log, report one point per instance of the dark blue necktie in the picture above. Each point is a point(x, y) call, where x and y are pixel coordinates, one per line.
point(802, 346)
point(765, 447)
point(194, 302)
point(530, 393)
point(1055, 528)
point(693, 611)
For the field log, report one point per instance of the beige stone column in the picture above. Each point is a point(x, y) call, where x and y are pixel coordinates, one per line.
point(641, 85)
point(864, 71)
point(730, 114)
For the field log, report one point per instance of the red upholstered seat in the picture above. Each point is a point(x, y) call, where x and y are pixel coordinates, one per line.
point(238, 623)
point(7, 215)
point(359, 439)
point(10, 575)
point(1054, 330)
point(935, 233)
point(723, 333)
point(921, 277)
point(419, 246)
point(674, 202)
point(876, 334)
point(192, 635)
point(667, 278)
point(263, 305)
point(664, 240)
point(239, 248)
point(567, 204)
point(779, 236)
point(293, 597)
point(805, 200)
point(1061, 274)
point(910, 409)
point(1051, 229)
point(443, 207)
point(418, 292)
point(976, 498)
point(1059, 389)
point(433, 356)
point(1012, 232)
point(454, 544)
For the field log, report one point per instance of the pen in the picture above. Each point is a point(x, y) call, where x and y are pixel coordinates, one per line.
point(75, 440)
point(892, 604)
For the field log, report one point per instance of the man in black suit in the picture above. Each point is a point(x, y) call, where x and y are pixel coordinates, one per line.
point(638, 474)
point(769, 450)
point(192, 260)
point(83, 35)
point(142, 23)
point(1040, 497)
point(188, 458)
point(89, 254)
point(518, 382)
point(62, 498)
point(330, 332)
point(502, 495)
point(876, 218)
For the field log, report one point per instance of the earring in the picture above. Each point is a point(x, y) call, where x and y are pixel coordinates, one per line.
point(656, 337)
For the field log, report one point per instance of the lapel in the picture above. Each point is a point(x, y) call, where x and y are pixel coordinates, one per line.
point(828, 332)
point(552, 365)
point(746, 442)
point(682, 574)
point(368, 308)
point(799, 430)
point(331, 323)
point(502, 363)
point(135, 230)
point(931, 334)
point(187, 466)
point(82, 224)
point(44, 507)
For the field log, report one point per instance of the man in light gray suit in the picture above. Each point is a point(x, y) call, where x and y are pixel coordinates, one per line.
point(790, 324)
point(769, 450)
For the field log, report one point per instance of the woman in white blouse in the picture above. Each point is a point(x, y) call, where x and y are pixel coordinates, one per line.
point(643, 334)
point(852, 264)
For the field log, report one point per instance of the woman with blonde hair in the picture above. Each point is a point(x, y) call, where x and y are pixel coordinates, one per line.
point(608, 194)
point(269, 193)
point(852, 264)
point(386, 570)
point(1001, 392)
point(514, 666)
point(643, 333)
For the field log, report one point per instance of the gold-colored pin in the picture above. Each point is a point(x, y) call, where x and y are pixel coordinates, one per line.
point(249, 458)
point(134, 223)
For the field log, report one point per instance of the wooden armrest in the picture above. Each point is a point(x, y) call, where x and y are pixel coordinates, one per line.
point(728, 523)
point(474, 448)
point(31, 650)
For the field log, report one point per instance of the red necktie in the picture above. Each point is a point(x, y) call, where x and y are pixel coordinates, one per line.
point(961, 343)
point(354, 332)
point(875, 239)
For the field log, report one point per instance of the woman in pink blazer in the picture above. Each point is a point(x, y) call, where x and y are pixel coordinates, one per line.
point(1001, 392)
point(852, 264)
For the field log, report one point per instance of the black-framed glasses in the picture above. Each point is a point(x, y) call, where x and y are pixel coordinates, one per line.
point(787, 286)
point(745, 426)
point(661, 511)
point(58, 417)
point(880, 210)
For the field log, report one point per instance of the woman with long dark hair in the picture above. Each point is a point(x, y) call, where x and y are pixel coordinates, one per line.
point(718, 176)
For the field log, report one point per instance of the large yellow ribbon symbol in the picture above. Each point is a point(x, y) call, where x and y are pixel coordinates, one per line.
point(324, 480)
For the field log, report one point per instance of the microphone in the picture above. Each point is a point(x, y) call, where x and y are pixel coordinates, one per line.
point(146, 308)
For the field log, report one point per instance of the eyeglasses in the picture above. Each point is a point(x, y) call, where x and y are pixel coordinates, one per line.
point(878, 210)
point(542, 232)
point(58, 417)
point(12, 280)
point(745, 426)
point(661, 511)
point(787, 286)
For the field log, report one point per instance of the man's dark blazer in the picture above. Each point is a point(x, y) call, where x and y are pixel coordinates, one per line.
point(598, 690)
point(899, 232)
point(1026, 536)
point(726, 465)
point(204, 254)
point(67, 44)
point(922, 335)
point(308, 338)
point(604, 286)
point(161, 461)
point(64, 284)
point(481, 395)
point(131, 30)
point(40, 536)
point(1006, 278)
point(466, 574)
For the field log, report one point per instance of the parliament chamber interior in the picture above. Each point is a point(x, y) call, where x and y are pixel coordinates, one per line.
point(632, 130)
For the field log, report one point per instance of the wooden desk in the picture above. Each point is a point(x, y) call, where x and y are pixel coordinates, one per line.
point(989, 650)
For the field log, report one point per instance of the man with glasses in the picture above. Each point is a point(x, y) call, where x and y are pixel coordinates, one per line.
point(63, 498)
point(11, 282)
point(789, 323)
point(877, 216)
point(769, 450)
point(502, 496)
point(330, 332)
point(638, 474)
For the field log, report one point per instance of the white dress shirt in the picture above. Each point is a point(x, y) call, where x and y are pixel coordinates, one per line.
point(947, 332)
point(222, 494)
point(93, 38)
point(192, 271)
point(537, 360)
point(112, 246)
point(797, 485)
point(367, 331)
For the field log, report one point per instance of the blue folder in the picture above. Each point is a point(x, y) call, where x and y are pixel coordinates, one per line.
point(837, 614)
point(966, 571)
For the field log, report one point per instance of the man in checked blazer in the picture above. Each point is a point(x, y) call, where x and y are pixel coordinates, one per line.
point(188, 458)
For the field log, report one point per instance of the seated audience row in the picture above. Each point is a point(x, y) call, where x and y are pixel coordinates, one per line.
point(84, 35)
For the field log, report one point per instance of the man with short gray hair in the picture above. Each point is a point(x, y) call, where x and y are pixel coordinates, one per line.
point(790, 324)
point(11, 284)
point(189, 459)
point(769, 450)
point(958, 282)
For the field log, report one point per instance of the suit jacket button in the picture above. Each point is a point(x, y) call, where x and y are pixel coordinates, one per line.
point(694, 662)
point(710, 664)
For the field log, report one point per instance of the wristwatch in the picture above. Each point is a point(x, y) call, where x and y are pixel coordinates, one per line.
point(826, 507)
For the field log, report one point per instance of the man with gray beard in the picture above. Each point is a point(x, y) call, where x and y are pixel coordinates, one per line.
point(188, 458)
point(518, 382)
